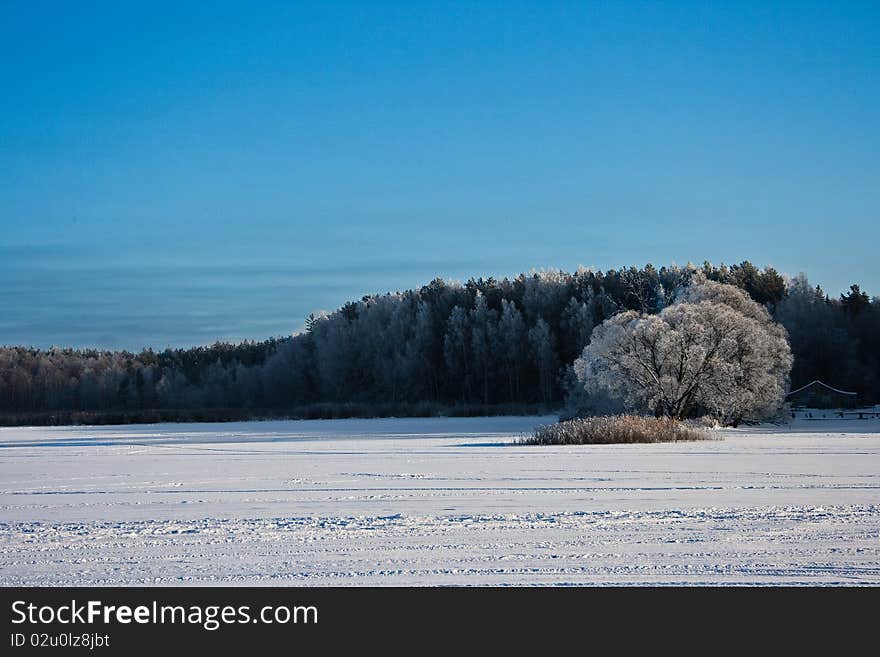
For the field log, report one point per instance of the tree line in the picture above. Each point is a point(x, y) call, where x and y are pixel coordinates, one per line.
point(485, 344)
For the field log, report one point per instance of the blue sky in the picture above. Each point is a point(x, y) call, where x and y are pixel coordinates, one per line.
point(173, 173)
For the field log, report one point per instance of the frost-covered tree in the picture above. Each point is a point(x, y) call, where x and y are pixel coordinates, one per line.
point(545, 293)
point(713, 350)
point(484, 332)
point(577, 325)
point(543, 350)
point(455, 348)
point(512, 345)
point(420, 351)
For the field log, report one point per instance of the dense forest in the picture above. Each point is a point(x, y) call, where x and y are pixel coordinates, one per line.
point(480, 347)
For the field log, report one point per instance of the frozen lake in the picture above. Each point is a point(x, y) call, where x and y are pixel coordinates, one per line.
point(433, 502)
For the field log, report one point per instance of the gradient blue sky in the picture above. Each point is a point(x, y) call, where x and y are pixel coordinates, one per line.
point(172, 173)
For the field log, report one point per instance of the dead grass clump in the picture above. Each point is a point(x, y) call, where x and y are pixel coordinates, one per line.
point(613, 430)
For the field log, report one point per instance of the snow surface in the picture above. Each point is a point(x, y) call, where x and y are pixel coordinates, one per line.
point(434, 502)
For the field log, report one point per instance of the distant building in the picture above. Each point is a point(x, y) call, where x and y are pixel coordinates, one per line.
point(817, 394)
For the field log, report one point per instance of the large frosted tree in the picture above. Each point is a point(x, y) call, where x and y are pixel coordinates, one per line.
point(714, 350)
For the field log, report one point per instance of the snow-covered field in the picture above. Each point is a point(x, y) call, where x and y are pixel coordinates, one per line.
point(434, 502)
